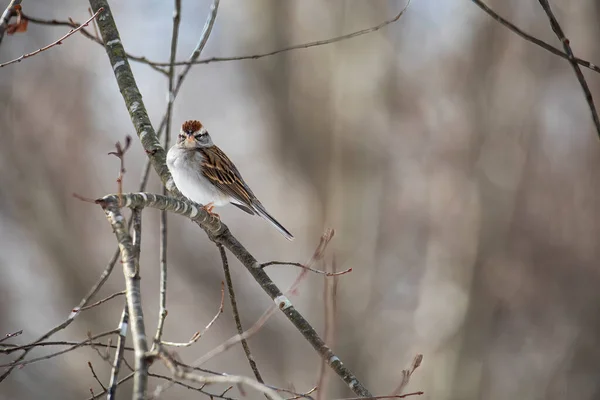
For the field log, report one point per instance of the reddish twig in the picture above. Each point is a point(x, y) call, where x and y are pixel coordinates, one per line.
point(95, 376)
point(56, 43)
point(407, 373)
point(120, 154)
point(199, 334)
point(300, 265)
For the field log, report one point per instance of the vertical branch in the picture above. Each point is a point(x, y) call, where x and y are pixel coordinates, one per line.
point(136, 222)
point(114, 376)
point(236, 314)
point(134, 299)
point(208, 25)
point(162, 314)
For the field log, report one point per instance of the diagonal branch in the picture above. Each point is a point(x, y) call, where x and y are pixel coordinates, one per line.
point(532, 39)
point(236, 314)
point(219, 233)
point(55, 43)
point(8, 13)
point(571, 57)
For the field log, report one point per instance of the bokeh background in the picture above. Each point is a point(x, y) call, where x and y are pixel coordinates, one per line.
point(455, 161)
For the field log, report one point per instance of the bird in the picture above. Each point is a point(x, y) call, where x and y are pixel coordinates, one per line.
point(204, 174)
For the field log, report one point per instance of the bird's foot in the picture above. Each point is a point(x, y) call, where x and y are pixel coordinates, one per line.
point(209, 209)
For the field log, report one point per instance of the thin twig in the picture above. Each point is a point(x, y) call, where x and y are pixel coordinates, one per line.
point(181, 373)
point(119, 354)
point(11, 335)
point(91, 293)
point(571, 57)
point(237, 338)
point(217, 231)
point(532, 39)
point(206, 31)
point(297, 264)
point(162, 312)
point(10, 348)
point(302, 395)
point(95, 376)
point(128, 377)
point(112, 296)
point(296, 47)
point(8, 13)
point(55, 43)
point(407, 374)
point(176, 382)
point(236, 314)
point(199, 334)
point(398, 396)
point(95, 38)
point(20, 362)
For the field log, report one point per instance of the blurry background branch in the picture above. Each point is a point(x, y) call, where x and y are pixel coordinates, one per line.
point(567, 54)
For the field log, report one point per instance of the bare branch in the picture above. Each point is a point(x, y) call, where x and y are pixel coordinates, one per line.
point(95, 376)
point(162, 312)
point(119, 354)
point(120, 154)
point(296, 47)
point(218, 232)
point(112, 296)
point(11, 335)
point(199, 334)
point(398, 396)
point(10, 348)
point(300, 265)
point(55, 43)
point(571, 57)
point(176, 382)
point(134, 299)
point(181, 373)
point(236, 314)
point(92, 37)
point(532, 39)
point(19, 362)
point(407, 373)
point(9, 12)
point(128, 377)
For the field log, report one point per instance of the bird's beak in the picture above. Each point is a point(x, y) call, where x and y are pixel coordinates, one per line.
point(190, 138)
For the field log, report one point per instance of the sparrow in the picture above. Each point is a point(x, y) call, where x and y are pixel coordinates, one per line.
point(204, 174)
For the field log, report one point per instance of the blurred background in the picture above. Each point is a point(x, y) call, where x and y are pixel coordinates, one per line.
point(455, 161)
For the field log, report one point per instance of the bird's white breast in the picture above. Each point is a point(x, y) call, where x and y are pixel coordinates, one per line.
point(185, 167)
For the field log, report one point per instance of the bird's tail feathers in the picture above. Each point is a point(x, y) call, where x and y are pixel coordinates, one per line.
point(260, 210)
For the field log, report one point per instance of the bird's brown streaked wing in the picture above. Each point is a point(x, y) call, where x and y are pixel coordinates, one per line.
point(218, 169)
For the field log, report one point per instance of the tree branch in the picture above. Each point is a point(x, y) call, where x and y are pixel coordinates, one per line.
point(134, 298)
point(571, 57)
point(55, 43)
point(8, 13)
point(219, 233)
point(296, 47)
point(236, 314)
